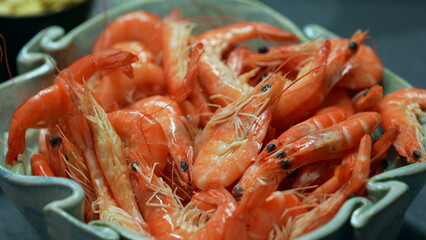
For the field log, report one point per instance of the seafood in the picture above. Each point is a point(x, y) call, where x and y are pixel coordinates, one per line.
point(401, 108)
point(162, 121)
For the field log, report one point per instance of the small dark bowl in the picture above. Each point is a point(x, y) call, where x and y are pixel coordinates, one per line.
point(19, 30)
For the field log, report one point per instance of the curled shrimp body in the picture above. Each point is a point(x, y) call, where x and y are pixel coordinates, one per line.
point(326, 210)
point(236, 143)
point(142, 134)
point(40, 166)
point(327, 143)
point(401, 108)
point(218, 81)
point(315, 81)
point(52, 105)
point(113, 89)
point(291, 135)
point(368, 99)
point(176, 59)
point(169, 115)
point(140, 26)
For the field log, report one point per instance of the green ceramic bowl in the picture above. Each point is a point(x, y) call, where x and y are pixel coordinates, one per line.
point(54, 205)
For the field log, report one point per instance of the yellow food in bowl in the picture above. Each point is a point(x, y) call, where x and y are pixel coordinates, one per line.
point(20, 8)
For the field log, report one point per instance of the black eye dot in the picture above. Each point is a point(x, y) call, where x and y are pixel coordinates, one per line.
point(238, 191)
point(384, 164)
point(55, 141)
point(285, 165)
point(263, 49)
point(417, 154)
point(184, 165)
point(353, 46)
point(293, 174)
point(266, 87)
point(134, 166)
point(281, 154)
point(352, 195)
point(271, 147)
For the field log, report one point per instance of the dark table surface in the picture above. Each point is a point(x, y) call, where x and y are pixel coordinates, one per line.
point(398, 29)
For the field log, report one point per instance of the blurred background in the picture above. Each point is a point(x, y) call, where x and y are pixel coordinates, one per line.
point(397, 30)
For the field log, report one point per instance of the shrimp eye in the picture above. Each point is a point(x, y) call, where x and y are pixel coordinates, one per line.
point(238, 191)
point(281, 154)
point(266, 87)
point(353, 46)
point(385, 164)
point(134, 166)
point(285, 165)
point(55, 140)
point(263, 49)
point(271, 147)
point(184, 165)
point(417, 154)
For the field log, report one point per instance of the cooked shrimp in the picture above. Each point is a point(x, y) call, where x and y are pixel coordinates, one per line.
point(327, 143)
point(236, 143)
point(338, 97)
point(40, 166)
point(113, 89)
point(401, 108)
point(51, 105)
point(142, 134)
point(169, 115)
point(140, 26)
point(326, 210)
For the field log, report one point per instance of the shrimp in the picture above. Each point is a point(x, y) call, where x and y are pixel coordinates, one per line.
point(314, 174)
point(327, 143)
point(157, 201)
point(303, 97)
point(236, 143)
point(140, 26)
point(400, 108)
point(326, 210)
point(169, 115)
point(52, 105)
point(40, 166)
point(366, 69)
point(217, 80)
point(235, 60)
point(142, 134)
point(176, 50)
point(368, 99)
point(113, 89)
point(295, 133)
point(108, 148)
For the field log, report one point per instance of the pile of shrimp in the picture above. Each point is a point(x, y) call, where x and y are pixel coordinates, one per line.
point(177, 135)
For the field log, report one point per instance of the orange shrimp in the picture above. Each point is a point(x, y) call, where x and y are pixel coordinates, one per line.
point(40, 166)
point(113, 89)
point(180, 76)
point(236, 143)
point(326, 210)
point(108, 148)
point(51, 105)
point(140, 26)
point(400, 108)
point(314, 174)
point(159, 205)
point(169, 115)
point(366, 69)
point(219, 40)
point(278, 209)
point(235, 60)
point(142, 134)
point(303, 97)
point(294, 133)
point(327, 143)
point(368, 99)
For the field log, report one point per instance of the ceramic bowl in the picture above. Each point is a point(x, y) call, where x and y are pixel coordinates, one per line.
point(54, 205)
